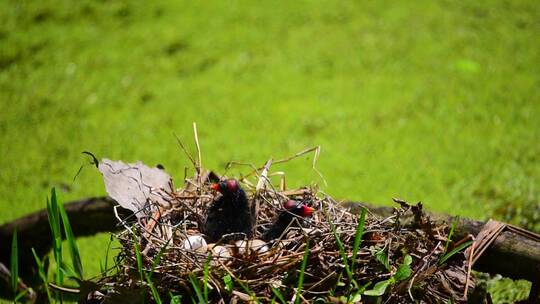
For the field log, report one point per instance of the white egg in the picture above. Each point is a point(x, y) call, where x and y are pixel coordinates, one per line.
point(241, 247)
point(195, 242)
point(221, 252)
point(255, 246)
point(259, 246)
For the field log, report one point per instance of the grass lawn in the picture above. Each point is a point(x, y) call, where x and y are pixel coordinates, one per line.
point(425, 100)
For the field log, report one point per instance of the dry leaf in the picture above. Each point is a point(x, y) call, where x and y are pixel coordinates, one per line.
point(136, 187)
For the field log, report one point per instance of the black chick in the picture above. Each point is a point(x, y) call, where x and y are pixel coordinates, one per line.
point(228, 214)
point(285, 217)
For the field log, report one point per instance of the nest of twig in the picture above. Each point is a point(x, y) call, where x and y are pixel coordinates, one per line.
point(314, 260)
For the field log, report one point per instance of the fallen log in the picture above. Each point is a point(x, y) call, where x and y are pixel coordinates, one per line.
point(514, 253)
point(87, 217)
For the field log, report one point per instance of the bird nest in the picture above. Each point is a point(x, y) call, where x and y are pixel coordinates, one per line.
point(337, 255)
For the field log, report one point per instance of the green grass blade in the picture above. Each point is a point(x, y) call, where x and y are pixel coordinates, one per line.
point(278, 295)
point(302, 271)
point(20, 295)
point(54, 222)
point(175, 299)
point(148, 275)
point(358, 237)
point(138, 256)
point(245, 287)
point(153, 289)
point(68, 271)
point(341, 250)
point(454, 251)
point(42, 275)
point(107, 256)
point(14, 262)
point(451, 233)
point(157, 259)
point(54, 215)
point(206, 276)
point(196, 288)
point(72, 243)
point(52, 219)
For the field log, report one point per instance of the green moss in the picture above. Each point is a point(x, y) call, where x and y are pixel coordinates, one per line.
point(504, 290)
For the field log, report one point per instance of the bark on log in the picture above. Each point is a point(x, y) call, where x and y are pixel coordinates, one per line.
point(512, 254)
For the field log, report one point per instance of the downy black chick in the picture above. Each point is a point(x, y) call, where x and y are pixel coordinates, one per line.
point(285, 217)
point(230, 213)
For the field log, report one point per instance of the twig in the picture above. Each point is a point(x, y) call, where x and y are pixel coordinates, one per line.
point(469, 266)
point(185, 151)
point(199, 156)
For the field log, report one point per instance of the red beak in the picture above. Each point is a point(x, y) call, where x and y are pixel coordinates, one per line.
point(215, 187)
point(307, 211)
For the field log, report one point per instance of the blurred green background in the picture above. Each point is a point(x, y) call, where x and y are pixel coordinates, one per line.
point(435, 101)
